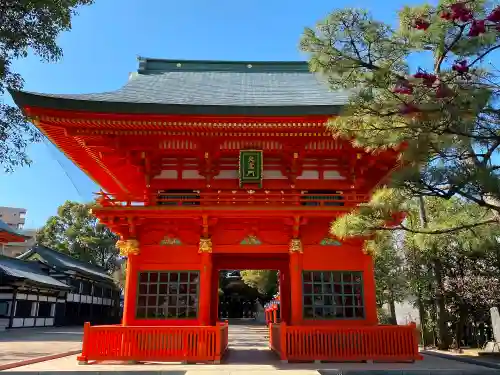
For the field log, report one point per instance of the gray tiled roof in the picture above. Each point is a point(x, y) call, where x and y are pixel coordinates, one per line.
point(222, 88)
point(29, 271)
point(62, 261)
point(176, 86)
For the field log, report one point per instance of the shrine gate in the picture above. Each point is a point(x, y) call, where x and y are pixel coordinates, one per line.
point(210, 165)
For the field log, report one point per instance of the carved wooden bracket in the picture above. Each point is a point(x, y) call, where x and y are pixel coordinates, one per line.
point(206, 223)
point(296, 222)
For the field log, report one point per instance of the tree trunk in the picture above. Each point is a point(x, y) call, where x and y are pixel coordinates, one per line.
point(433, 316)
point(392, 308)
point(423, 319)
point(462, 318)
point(443, 334)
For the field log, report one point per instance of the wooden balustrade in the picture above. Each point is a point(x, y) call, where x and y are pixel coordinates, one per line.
point(376, 343)
point(236, 197)
point(160, 344)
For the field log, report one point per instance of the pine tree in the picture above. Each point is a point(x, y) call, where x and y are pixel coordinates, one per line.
point(443, 116)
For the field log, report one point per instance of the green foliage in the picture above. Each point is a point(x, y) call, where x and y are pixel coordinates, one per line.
point(447, 119)
point(389, 276)
point(76, 232)
point(27, 26)
point(120, 275)
point(265, 281)
point(383, 316)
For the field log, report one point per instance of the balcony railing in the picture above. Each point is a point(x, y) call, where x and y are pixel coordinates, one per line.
point(236, 198)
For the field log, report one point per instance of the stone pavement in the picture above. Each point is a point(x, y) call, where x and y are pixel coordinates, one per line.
point(25, 343)
point(249, 354)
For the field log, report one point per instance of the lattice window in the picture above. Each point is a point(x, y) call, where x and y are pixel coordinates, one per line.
point(168, 295)
point(333, 295)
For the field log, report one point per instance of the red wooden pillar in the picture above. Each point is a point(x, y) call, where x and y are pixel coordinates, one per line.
point(296, 281)
point(205, 287)
point(214, 299)
point(369, 292)
point(285, 295)
point(130, 296)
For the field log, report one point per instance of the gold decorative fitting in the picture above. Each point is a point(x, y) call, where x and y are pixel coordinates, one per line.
point(205, 245)
point(296, 246)
point(367, 251)
point(128, 247)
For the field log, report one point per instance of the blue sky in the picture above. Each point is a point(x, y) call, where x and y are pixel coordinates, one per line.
point(101, 50)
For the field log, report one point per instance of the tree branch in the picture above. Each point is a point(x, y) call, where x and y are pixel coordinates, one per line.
point(449, 230)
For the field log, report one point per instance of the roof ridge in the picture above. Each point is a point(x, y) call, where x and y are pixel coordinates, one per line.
point(85, 266)
point(155, 65)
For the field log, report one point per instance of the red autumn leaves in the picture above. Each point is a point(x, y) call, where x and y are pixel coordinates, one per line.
point(460, 12)
point(461, 15)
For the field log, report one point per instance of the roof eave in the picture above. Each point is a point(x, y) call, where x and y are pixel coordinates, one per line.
point(27, 100)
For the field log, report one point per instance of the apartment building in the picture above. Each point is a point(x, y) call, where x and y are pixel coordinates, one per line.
point(15, 218)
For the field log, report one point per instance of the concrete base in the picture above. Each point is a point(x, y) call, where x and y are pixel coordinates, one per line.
point(491, 347)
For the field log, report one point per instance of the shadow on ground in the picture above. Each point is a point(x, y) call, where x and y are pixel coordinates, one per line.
point(71, 334)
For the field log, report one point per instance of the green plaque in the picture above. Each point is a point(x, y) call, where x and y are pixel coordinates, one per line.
point(250, 167)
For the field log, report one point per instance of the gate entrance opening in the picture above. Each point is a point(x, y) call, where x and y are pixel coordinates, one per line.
point(234, 304)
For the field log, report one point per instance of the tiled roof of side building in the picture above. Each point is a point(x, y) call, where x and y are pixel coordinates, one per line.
point(207, 88)
point(30, 272)
point(4, 227)
point(59, 260)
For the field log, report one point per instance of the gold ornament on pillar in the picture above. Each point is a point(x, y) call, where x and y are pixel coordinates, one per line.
point(128, 247)
point(296, 246)
point(205, 245)
point(367, 251)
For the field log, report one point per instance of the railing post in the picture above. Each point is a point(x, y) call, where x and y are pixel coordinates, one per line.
point(283, 343)
point(83, 358)
point(270, 328)
point(218, 349)
point(415, 337)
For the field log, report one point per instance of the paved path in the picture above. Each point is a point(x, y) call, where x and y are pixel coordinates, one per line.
point(249, 354)
point(25, 343)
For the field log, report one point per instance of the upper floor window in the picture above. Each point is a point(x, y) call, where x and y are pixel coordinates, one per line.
point(178, 197)
point(333, 295)
point(323, 198)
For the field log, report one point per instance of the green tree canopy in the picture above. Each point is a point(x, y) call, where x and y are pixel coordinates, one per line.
point(265, 281)
point(26, 26)
point(76, 232)
point(427, 87)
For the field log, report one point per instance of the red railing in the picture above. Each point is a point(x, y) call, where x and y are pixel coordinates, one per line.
point(236, 197)
point(159, 344)
point(377, 343)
